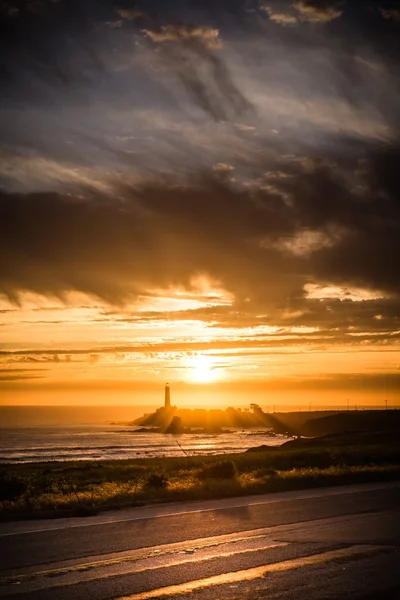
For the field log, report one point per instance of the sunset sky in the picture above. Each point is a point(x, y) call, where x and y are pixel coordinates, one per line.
point(204, 192)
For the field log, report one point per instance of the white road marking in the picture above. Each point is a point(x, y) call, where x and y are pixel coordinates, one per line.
point(66, 577)
point(254, 573)
point(212, 543)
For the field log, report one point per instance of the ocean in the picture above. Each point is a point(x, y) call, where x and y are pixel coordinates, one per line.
point(41, 434)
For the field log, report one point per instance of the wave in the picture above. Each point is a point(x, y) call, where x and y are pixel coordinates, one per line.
point(39, 445)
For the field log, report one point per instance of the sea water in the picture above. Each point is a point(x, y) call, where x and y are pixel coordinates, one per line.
point(40, 434)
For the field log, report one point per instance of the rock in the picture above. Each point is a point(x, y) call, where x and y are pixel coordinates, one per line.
point(176, 426)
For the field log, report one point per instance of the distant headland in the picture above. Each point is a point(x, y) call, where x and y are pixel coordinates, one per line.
point(170, 419)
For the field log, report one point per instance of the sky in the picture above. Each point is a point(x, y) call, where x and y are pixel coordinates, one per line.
point(200, 192)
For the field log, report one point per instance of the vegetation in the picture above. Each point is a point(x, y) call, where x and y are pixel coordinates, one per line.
point(11, 488)
point(224, 469)
point(82, 487)
point(156, 481)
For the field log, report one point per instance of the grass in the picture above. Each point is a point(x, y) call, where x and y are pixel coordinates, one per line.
point(50, 489)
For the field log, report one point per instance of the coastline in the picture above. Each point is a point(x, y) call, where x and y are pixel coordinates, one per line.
point(73, 488)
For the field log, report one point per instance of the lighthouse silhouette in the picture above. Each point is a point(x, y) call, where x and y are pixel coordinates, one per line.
point(167, 398)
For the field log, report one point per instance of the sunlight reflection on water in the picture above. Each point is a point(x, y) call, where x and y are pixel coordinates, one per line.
point(39, 444)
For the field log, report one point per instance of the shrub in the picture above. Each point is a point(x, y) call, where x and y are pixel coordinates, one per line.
point(225, 469)
point(156, 481)
point(270, 473)
point(11, 488)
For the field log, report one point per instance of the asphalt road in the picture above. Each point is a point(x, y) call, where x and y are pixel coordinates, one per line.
point(339, 543)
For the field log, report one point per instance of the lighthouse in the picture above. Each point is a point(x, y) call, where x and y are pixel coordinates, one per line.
point(167, 399)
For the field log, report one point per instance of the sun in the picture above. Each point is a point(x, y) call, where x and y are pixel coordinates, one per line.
point(202, 369)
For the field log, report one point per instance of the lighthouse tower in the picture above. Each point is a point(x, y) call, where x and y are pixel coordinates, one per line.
point(167, 399)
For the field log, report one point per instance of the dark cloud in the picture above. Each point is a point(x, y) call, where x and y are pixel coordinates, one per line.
point(191, 52)
point(312, 201)
point(129, 14)
point(166, 231)
point(35, 43)
point(390, 14)
point(328, 321)
point(64, 47)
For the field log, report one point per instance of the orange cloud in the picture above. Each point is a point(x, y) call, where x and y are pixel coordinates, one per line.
point(317, 11)
point(186, 33)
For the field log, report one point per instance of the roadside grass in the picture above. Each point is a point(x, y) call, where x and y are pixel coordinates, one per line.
point(86, 487)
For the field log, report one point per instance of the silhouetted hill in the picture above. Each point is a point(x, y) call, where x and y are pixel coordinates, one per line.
point(352, 421)
point(349, 438)
point(291, 423)
point(301, 423)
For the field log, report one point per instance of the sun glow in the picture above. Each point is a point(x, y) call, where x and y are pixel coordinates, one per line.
point(202, 369)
